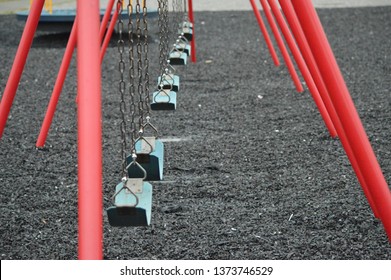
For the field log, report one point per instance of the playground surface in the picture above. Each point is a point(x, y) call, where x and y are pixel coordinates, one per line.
point(250, 169)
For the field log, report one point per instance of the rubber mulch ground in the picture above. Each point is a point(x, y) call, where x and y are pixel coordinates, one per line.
point(255, 175)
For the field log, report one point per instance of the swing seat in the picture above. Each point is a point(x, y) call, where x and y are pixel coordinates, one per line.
point(164, 100)
point(129, 211)
point(178, 58)
point(183, 47)
point(169, 82)
point(185, 24)
point(150, 155)
point(187, 32)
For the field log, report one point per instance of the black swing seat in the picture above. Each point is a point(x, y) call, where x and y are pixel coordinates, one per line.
point(131, 208)
point(186, 23)
point(164, 100)
point(183, 47)
point(127, 216)
point(187, 32)
point(178, 58)
point(150, 155)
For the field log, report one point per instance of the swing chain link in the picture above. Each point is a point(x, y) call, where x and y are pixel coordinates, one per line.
point(166, 33)
point(178, 17)
point(139, 68)
point(161, 37)
point(146, 63)
point(132, 93)
point(122, 87)
point(185, 13)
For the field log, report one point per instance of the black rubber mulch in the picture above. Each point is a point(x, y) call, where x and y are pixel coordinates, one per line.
point(256, 176)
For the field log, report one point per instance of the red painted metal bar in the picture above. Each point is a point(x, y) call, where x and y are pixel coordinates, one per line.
point(193, 41)
point(294, 24)
point(19, 62)
point(265, 33)
point(281, 45)
point(346, 110)
point(66, 61)
point(89, 131)
point(64, 70)
point(302, 67)
point(105, 19)
point(110, 31)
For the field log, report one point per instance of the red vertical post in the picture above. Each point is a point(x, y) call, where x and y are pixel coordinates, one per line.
point(302, 67)
point(265, 33)
point(19, 62)
point(193, 41)
point(89, 131)
point(110, 31)
point(294, 24)
point(105, 19)
point(346, 110)
point(281, 45)
point(62, 73)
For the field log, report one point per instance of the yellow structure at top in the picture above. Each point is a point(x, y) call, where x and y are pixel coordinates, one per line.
point(48, 5)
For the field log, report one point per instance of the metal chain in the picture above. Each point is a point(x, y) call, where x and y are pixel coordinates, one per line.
point(132, 92)
point(179, 14)
point(146, 63)
point(122, 87)
point(180, 8)
point(185, 13)
point(166, 32)
point(162, 59)
point(172, 38)
point(139, 67)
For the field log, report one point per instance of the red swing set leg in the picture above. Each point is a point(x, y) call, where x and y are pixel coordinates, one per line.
point(193, 42)
point(302, 67)
point(19, 62)
point(347, 113)
point(297, 31)
point(281, 45)
point(66, 61)
point(110, 30)
point(62, 73)
point(265, 33)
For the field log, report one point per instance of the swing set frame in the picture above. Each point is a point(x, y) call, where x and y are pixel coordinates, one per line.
point(87, 33)
point(313, 45)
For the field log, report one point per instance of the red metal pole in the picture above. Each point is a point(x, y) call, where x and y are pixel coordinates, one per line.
point(302, 67)
point(66, 61)
point(89, 131)
point(193, 41)
point(105, 19)
point(294, 24)
point(281, 45)
point(63, 72)
point(346, 110)
point(19, 62)
point(110, 31)
point(265, 33)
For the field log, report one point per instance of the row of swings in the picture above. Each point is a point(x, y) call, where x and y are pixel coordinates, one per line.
point(132, 199)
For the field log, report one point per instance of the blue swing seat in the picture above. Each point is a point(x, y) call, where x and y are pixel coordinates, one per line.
point(186, 24)
point(150, 156)
point(178, 58)
point(131, 208)
point(187, 32)
point(183, 47)
point(164, 100)
point(170, 81)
